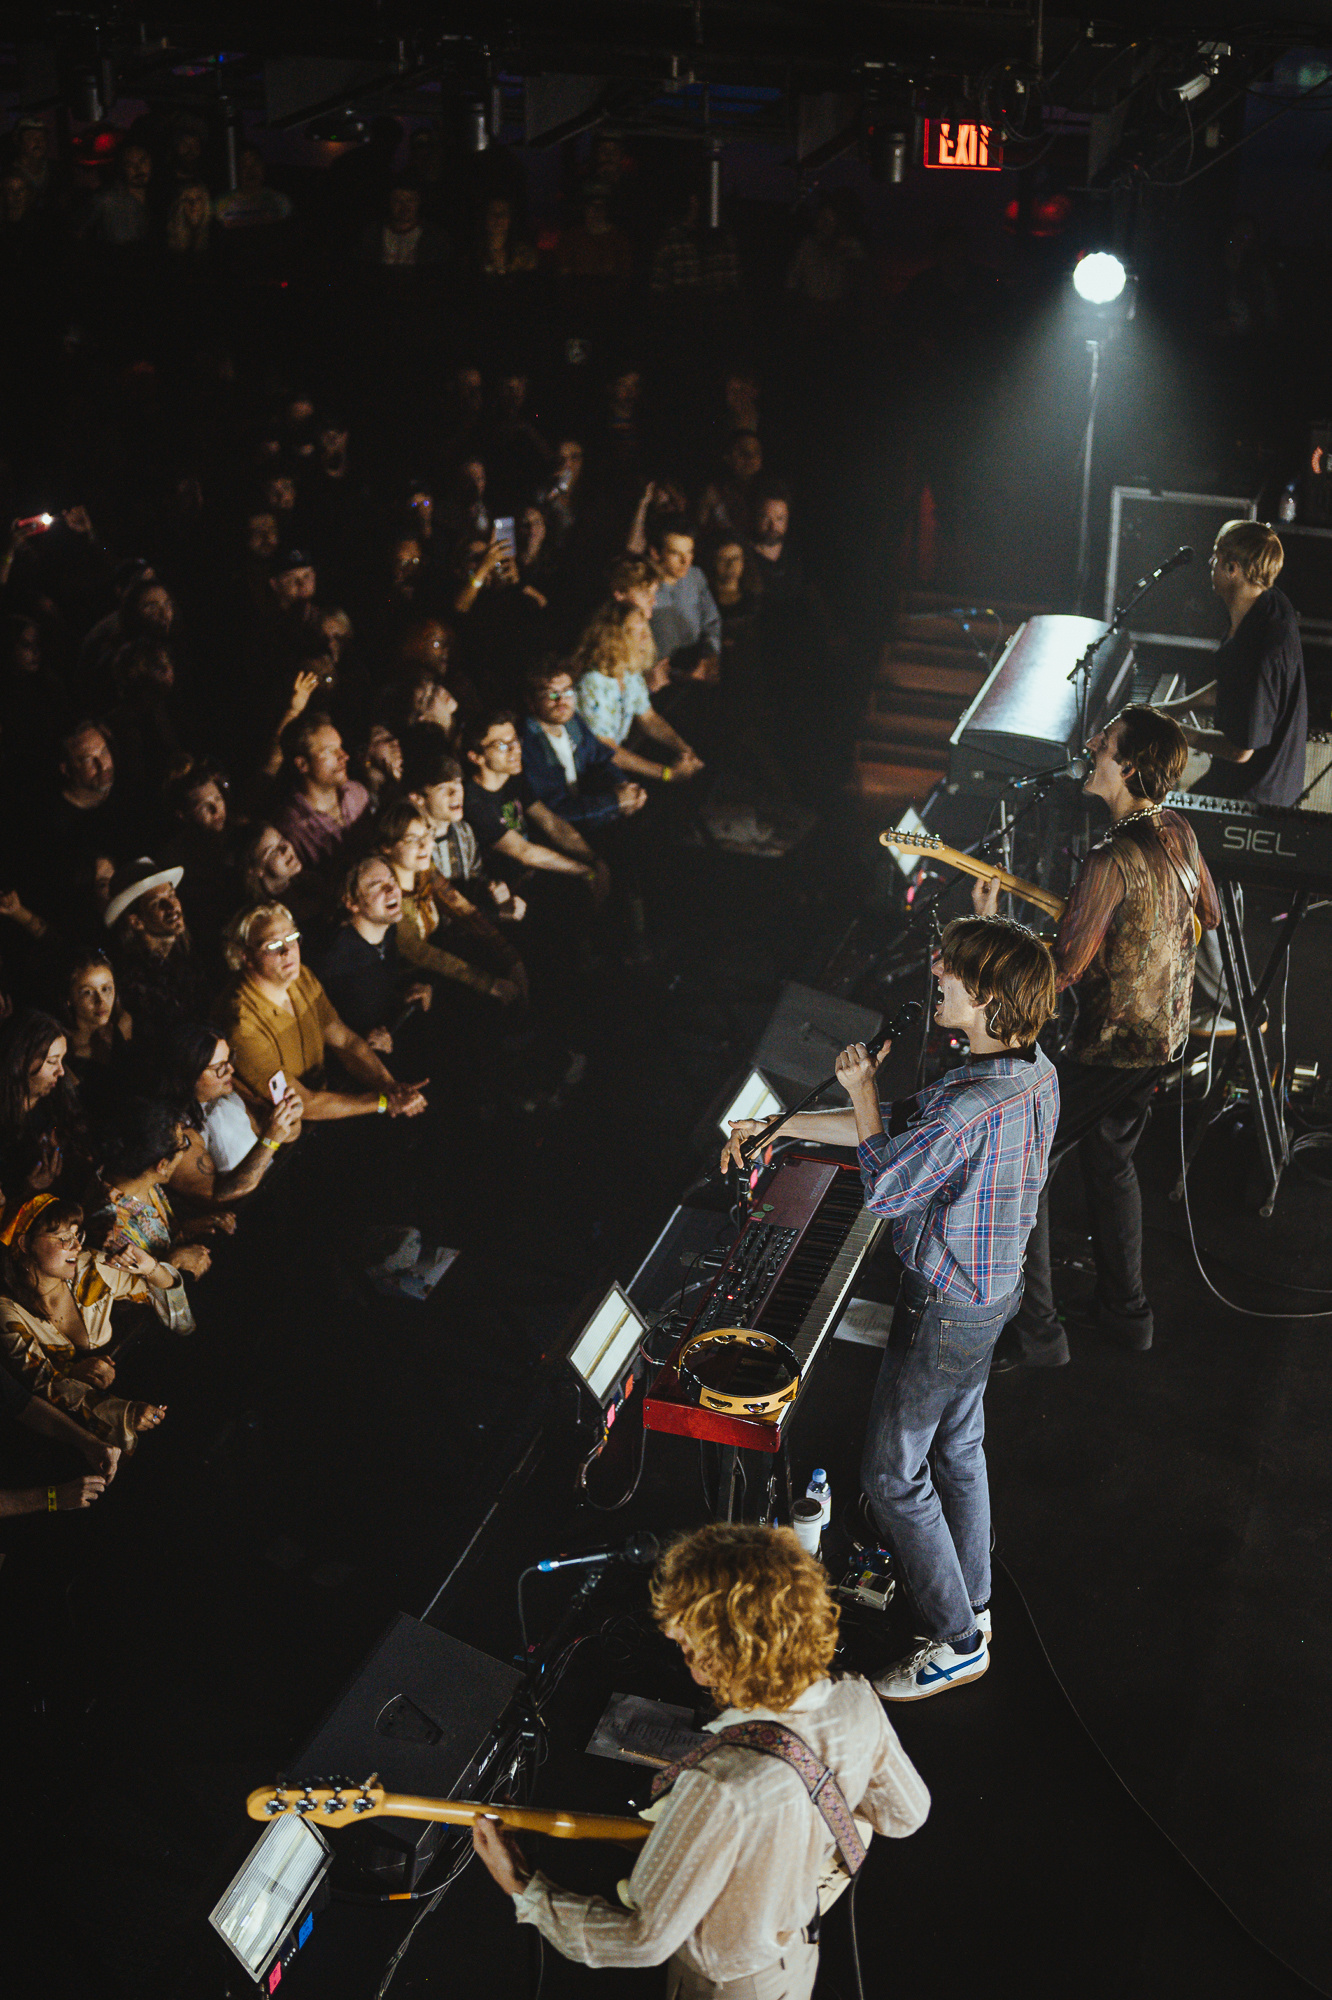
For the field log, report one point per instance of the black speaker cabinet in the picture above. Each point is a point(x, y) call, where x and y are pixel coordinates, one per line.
point(806, 1033)
point(430, 1715)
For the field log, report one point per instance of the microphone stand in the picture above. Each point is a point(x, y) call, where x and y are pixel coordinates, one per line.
point(905, 1015)
point(1117, 622)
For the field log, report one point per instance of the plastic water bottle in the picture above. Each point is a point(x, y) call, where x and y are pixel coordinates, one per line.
point(1287, 506)
point(819, 1489)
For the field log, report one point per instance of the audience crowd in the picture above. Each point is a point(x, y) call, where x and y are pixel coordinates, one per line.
point(339, 756)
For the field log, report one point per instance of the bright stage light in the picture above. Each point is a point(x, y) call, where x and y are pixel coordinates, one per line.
point(1099, 278)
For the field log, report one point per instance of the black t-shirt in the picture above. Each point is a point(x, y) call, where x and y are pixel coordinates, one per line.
point(493, 814)
point(1261, 706)
point(363, 980)
point(55, 839)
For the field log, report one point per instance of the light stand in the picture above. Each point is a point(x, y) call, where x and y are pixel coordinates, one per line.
point(1094, 346)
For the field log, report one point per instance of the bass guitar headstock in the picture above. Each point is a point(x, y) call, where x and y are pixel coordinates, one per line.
point(337, 1804)
point(910, 843)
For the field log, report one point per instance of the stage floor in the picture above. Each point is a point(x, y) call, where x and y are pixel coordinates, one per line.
point(1162, 1518)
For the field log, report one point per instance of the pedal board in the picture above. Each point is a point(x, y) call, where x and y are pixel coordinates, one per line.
point(869, 1580)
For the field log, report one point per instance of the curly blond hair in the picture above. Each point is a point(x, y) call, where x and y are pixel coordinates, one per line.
point(607, 645)
point(756, 1610)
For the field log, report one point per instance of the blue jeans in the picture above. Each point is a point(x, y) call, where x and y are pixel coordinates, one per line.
point(930, 1398)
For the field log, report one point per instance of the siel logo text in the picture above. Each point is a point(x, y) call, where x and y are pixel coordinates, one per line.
point(1240, 839)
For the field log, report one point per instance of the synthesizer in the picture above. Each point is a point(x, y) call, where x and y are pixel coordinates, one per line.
point(1288, 847)
point(789, 1274)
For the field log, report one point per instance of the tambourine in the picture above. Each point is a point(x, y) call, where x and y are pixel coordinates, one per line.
point(740, 1371)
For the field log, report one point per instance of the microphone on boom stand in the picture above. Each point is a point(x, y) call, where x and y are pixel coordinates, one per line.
point(640, 1550)
point(1179, 560)
point(908, 1012)
point(1076, 768)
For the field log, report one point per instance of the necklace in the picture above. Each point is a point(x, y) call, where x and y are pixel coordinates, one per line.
point(1143, 812)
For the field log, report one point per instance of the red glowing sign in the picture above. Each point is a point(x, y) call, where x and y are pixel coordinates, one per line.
point(962, 143)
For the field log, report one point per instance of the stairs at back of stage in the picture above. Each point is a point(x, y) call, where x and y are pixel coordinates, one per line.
point(931, 665)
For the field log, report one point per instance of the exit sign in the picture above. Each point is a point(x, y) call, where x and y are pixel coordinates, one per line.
point(962, 143)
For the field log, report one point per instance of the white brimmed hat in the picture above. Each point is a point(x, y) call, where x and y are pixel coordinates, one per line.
point(135, 879)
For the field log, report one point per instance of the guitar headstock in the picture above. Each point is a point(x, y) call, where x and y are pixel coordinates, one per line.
point(326, 1805)
point(910, 843)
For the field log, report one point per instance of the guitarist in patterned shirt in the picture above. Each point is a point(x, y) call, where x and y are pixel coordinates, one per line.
point(1126, 941)
point(725, 1891)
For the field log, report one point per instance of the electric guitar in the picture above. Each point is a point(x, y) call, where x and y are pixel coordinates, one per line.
point(930, 843)
point(345, 1805)
point(968, 864)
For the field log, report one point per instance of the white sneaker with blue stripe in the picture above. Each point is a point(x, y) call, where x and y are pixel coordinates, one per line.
point(932, 1670)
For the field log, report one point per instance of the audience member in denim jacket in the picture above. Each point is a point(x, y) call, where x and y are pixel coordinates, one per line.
point(569, 768)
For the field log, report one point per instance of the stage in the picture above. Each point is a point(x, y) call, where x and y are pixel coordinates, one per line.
point(1147, 1748)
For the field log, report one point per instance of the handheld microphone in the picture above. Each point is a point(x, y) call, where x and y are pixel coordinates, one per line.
point(640, 1550)
point(907, 1013)
point(1178, 561)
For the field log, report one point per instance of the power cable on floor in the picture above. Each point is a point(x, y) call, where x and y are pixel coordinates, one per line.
point(1146, 1812)
point(1249, 1312)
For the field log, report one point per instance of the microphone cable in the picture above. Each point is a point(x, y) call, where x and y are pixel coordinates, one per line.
point(1248, 1312)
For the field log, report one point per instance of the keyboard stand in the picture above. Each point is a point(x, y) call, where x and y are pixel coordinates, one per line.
point(1247, 1007)
point(771, 1473)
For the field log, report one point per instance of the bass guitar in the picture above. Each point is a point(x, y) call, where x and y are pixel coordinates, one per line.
point(346, 1805)
point(931, 845)
point(968, 864)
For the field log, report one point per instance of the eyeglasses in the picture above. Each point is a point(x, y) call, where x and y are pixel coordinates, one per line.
point(220, 1069)
point(276, 946)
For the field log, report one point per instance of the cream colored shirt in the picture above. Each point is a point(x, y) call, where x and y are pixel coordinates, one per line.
point(729, 1874)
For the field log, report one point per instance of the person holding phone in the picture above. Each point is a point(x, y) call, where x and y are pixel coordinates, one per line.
point(278, 1020)
point(229, 1148)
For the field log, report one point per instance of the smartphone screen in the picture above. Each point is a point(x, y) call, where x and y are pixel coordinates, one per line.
point(504, 535)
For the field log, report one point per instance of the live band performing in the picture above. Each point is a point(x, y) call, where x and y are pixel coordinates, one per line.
point(665, 843)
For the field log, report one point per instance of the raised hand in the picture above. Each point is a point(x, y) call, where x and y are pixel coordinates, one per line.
point(985, 895)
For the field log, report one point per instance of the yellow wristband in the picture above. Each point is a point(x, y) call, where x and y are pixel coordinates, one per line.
point(273, 1145)
point(383, 1102)
point(52, 1504)
point(665, 774)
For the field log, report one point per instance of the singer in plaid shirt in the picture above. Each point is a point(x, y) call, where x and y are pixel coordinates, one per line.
point(961, 1184)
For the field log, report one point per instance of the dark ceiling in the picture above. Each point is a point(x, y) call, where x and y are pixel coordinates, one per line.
point(808, 72)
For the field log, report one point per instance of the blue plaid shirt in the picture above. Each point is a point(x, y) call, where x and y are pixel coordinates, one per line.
point(962, 1182)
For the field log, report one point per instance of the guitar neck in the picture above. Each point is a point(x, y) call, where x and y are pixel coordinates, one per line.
point(969, 864)
point(522, 1819)
point(1014, 885)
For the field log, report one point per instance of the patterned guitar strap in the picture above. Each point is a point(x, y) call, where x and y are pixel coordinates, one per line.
point(771, 1739)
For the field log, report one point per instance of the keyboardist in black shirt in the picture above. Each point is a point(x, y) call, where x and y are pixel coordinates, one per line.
point(1261, 713)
